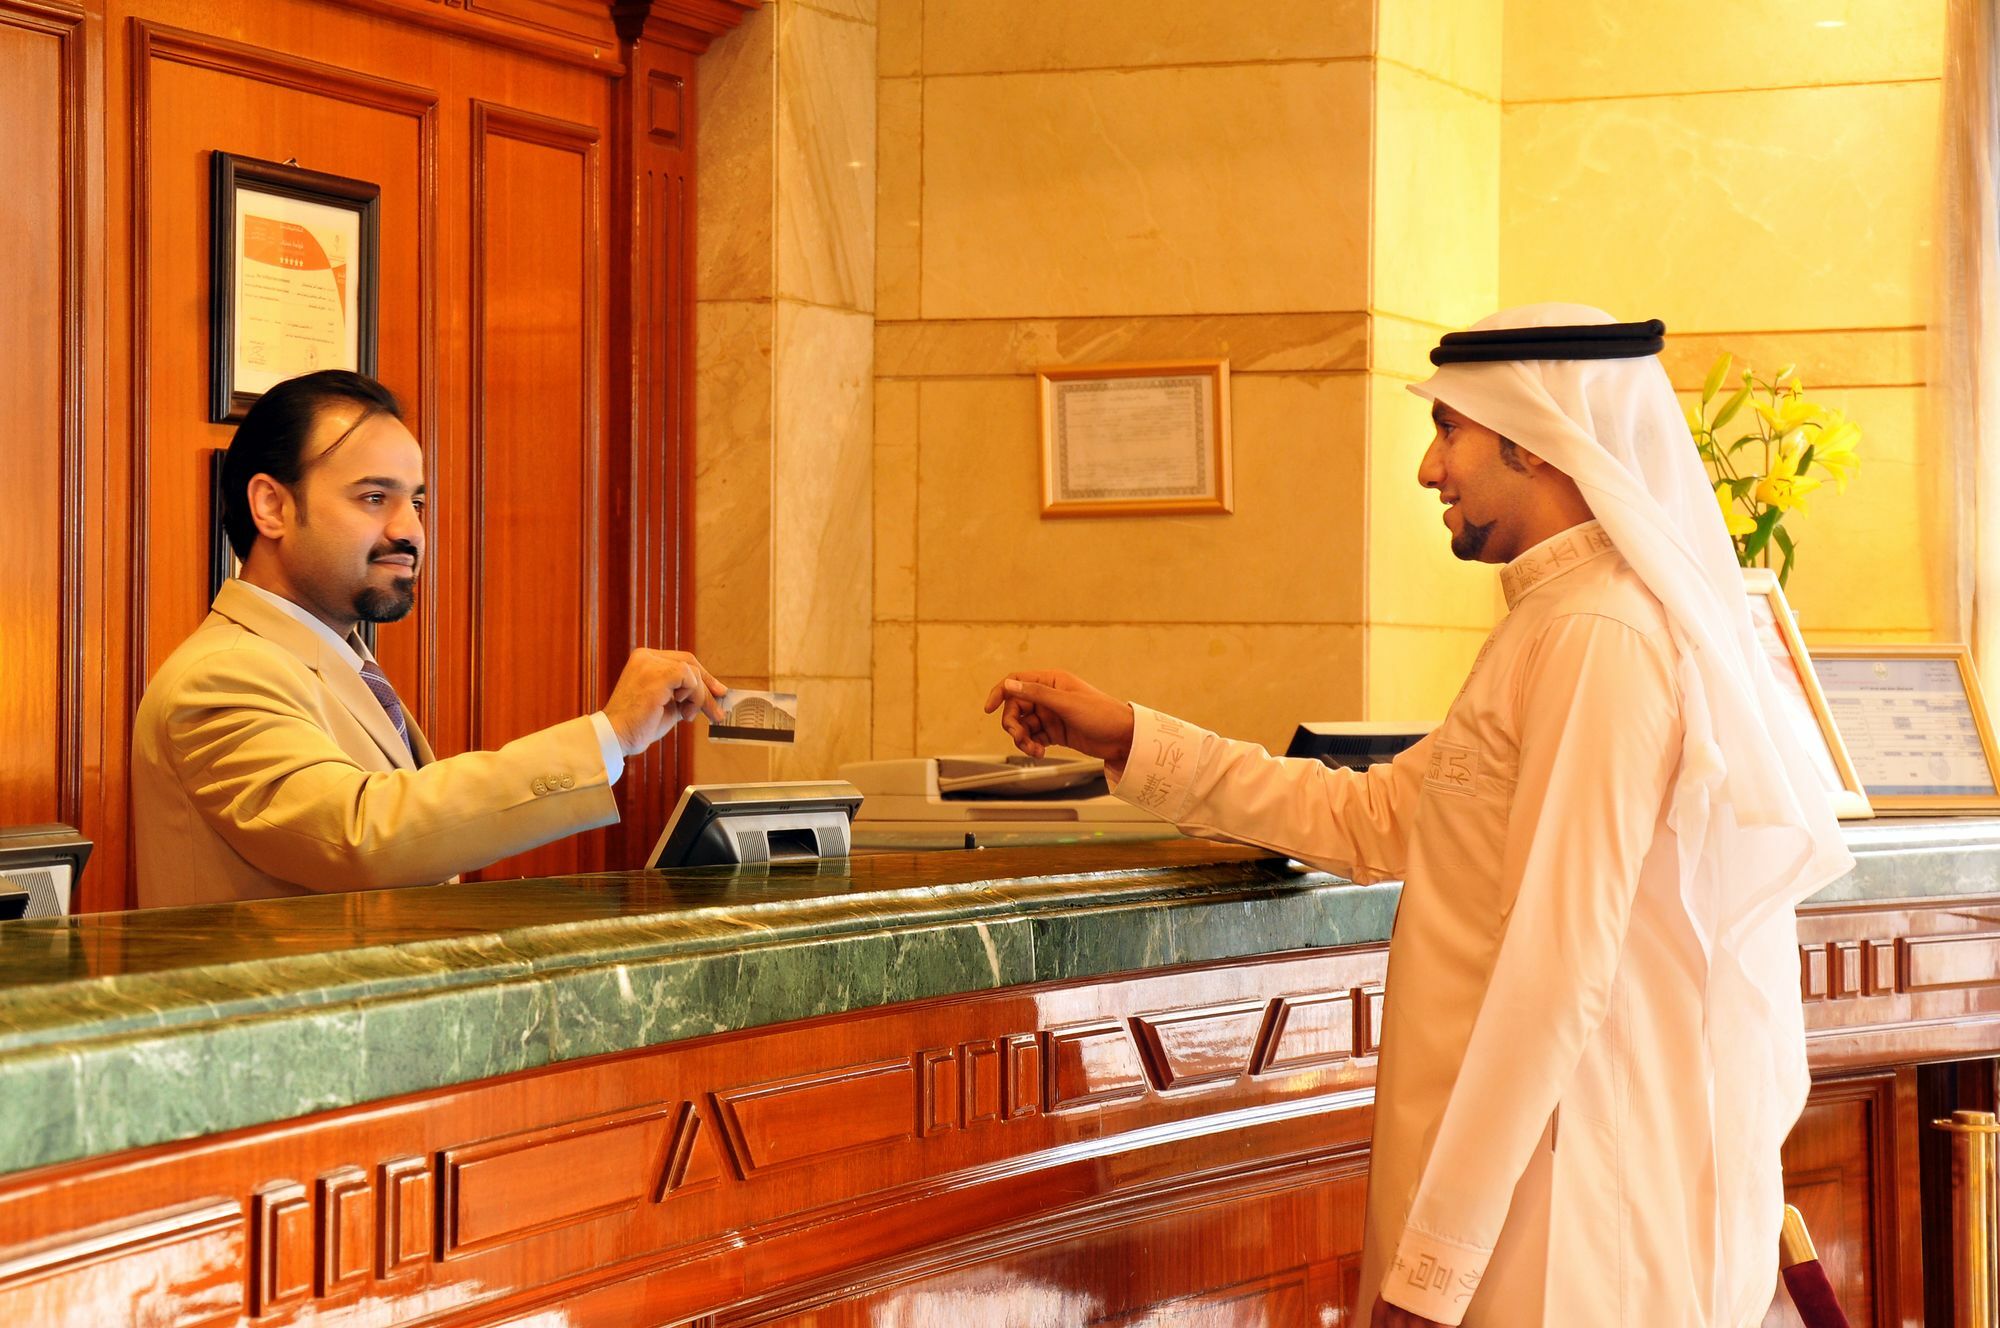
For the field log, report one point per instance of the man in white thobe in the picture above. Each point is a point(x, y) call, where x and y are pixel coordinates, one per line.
point(1592, 1044)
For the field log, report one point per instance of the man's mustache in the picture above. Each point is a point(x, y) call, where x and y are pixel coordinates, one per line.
point(395, 547)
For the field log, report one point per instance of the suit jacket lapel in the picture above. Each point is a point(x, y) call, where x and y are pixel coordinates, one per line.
point(244, 606)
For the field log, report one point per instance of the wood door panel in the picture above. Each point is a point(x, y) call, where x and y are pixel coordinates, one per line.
point(535, 437)
point(196, 95)
point(41, 398)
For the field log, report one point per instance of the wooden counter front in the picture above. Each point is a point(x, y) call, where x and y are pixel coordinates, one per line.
point(1169, 1145)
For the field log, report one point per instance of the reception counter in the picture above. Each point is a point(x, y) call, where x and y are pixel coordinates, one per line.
point(1037, 1086)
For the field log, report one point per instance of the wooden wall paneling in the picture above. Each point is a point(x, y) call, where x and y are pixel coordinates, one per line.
point(536, 437)
point(45, 694)
point(145, 88)
point(1849, 1170)
point(193, 94)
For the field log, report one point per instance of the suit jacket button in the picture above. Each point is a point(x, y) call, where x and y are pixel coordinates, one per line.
point(540, 787)
point(569, 781)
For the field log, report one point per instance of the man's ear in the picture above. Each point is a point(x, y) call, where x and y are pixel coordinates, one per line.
point(270, 506)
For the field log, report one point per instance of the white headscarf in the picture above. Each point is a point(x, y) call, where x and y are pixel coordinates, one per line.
point(1755, 832)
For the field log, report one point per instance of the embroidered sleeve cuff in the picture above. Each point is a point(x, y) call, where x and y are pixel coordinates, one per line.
point(1433, 1277)
point(1159, 776)
point(608, 744)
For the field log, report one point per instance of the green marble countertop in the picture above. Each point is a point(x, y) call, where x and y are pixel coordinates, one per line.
point(128, 1029)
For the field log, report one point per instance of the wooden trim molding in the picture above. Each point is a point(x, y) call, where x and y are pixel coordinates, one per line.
point(66, 24)
point(688, 25)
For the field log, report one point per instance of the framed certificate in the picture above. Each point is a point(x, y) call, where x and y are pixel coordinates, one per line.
point(1916, 723)
point(1135, 439)
point(292, 277)
point(1804, 705)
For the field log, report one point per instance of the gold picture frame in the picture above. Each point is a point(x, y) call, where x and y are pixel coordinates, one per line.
point(1806, 711)
point(1147, 439)
point(1888, 743)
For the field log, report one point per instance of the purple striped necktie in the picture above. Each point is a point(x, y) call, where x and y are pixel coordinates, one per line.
point(378, 683)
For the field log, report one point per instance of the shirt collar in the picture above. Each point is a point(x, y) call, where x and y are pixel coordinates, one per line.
point(344, 649)
point(1551, 558)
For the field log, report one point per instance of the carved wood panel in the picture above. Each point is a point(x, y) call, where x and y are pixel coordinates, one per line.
point(762, 1167)
point(1144, 1143)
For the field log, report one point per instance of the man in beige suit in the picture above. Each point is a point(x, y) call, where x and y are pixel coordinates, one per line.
point(271, 756)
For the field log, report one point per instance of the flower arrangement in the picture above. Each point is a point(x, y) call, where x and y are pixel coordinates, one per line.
point(1787, 445)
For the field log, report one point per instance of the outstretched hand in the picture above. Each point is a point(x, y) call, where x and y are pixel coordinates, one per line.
point(657, 690)
point(1044, 708)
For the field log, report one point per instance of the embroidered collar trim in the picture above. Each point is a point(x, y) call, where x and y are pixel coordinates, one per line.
point(1551, 558)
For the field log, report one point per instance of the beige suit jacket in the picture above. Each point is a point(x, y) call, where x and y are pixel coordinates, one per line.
point(262, 765)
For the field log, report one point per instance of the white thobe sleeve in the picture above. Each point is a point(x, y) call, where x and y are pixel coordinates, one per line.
point(1600, 737)
point(1351, 822)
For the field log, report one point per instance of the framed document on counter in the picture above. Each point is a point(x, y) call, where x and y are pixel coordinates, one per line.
point(1805, 707)
point(1916, 724)
point(1135, 439)
point(292, 277)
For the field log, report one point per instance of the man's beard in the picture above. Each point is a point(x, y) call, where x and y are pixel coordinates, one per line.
point(1470, 541)
point(386, 606)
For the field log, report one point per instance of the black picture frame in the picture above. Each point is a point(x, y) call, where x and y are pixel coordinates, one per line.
point(231, 175)
point(221, 558)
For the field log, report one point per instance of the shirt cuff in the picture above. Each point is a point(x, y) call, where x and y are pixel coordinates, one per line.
point(1159, 774)
point(614, 750)
point(1432, 1277)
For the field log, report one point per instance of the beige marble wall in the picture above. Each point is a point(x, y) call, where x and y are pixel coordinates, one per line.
point(911, 205)
point(1124, 180)
point(1760, 174)
point(784, 394)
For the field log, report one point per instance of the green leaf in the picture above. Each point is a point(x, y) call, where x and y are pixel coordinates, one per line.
point(1767, 521)
point(1716, 373)
point(1740, 489)
point(1730, 407)
point(1744, 442)
point(1784, 542)
point(1805, 459)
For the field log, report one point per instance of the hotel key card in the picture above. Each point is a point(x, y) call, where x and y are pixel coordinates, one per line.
point(756, 716)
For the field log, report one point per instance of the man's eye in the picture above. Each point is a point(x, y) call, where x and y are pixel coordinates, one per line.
point(375, 498)
point(417, 503)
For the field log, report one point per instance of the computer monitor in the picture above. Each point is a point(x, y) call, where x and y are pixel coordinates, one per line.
point(719, 824)
point(44, 860)
point(1356, 744)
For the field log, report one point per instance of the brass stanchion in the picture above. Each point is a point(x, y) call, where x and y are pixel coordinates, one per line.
point(1975, 1220)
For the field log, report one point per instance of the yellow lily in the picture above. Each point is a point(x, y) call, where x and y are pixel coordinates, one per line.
point(1733, 517)
point(1784, 488)
point(1833, 450)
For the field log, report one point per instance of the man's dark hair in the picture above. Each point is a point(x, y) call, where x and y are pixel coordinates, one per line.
point(272, 439)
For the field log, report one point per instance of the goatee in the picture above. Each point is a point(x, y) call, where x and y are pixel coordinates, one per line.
point(1470, 541)
point(386, 606)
